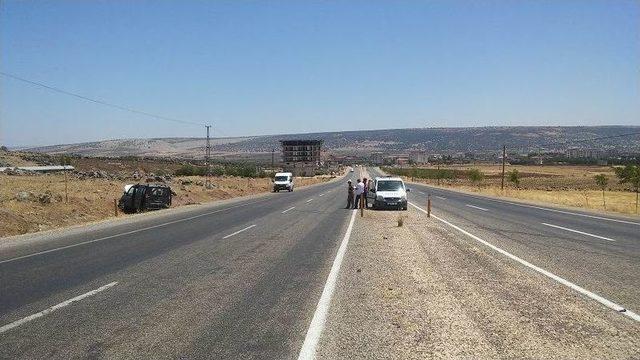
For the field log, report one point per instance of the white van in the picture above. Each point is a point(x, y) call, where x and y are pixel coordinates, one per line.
point(388, 192)
point(283, 181)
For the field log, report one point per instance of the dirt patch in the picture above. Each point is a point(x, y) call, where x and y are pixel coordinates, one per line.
point(11, 223)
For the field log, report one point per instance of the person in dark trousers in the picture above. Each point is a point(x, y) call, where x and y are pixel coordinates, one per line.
point(359, 192)
point(349, 195)
point(365, 192)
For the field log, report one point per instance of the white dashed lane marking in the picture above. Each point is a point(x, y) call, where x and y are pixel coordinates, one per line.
point(42, 313)
point(239, 231)
point(477, 207)
point(578, 232)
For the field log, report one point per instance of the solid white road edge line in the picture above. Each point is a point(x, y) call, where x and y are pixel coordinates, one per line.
point(321, 195)
point(441, 197)
point(124, 233)
point(477, 207)
point(239, 231)
point(289, 209)
point(594, 296)
point(310, 200)
point(578, 232)
point(308, 350)
point(54, 308)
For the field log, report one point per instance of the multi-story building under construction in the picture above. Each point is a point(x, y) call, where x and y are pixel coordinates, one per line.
point(301, 157)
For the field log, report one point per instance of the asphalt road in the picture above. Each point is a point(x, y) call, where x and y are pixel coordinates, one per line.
point(237, 280)
point(600, 253)
point(243, 278)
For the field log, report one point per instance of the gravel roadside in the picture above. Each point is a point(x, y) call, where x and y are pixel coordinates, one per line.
point(422, 291)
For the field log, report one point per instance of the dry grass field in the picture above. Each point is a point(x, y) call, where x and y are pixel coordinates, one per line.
point(92, 199)
point(572, 186)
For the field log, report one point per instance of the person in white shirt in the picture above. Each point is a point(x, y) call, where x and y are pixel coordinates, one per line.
point(359, 192)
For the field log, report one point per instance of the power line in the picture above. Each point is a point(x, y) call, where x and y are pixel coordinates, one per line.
point(101, 102)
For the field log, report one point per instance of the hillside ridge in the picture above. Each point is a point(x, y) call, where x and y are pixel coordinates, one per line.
point(441, 139)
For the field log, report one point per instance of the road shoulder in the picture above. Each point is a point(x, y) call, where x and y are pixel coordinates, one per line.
point(422, 290)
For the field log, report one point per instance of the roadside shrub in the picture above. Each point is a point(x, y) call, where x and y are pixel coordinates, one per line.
point(602, 180)
point(476, 176)
point(630, 174)
point(190, 170)
point(217, 170)
point(514, 177)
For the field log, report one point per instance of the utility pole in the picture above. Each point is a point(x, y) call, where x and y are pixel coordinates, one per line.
point(207, 183)
point(66, 186)
point(504, 158)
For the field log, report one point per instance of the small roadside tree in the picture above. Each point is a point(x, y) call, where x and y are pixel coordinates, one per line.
point(514, 177)
point(65, 159)
point(476, 176)
point(602, 180)
point(630, 174)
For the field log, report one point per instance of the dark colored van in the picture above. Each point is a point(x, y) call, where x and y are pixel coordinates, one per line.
point(143, 197)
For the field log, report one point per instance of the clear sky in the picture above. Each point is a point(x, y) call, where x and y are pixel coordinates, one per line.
point(268, 67)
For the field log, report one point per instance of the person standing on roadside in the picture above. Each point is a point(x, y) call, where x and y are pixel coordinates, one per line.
point(359, 192)
point(365, 191)
point(350, 194)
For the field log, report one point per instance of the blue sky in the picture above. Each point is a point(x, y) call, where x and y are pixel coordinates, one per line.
point(269, 67)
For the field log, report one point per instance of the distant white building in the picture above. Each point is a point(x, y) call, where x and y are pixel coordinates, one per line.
point(419, 157)
point(39, 168)
point(377, 158)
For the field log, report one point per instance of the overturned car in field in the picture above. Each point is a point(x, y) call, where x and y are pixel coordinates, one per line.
point(144, 197)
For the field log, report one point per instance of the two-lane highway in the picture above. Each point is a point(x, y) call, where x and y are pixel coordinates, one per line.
point(238, 280)
point(254, 277)
point(600, 253)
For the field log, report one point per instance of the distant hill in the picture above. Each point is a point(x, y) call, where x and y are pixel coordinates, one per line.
point(440, 140)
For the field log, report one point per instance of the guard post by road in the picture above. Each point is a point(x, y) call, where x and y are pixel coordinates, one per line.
point(429, 205)
point(362, 205)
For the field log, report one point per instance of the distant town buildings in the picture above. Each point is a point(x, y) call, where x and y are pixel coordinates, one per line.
point(579, 153)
